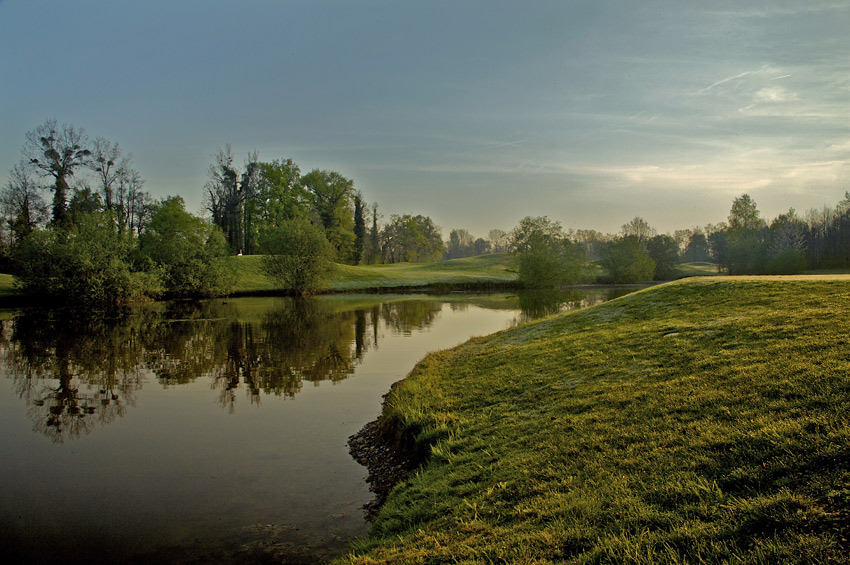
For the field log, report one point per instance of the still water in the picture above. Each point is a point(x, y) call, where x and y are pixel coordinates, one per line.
point(213, 431)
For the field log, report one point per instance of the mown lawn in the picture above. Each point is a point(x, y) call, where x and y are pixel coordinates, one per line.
point(701, 421)
point(492, 269)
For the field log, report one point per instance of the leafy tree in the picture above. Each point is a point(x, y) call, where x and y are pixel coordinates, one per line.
point(412, 239)
point(297, 255)
point(664, 252)
point(626, 261)
point(57, 152)
point(697, 248)
point(547, 258)
point(84, 202)
point(280, 195)
point(480, 247)
point(185, 250)
point(332, 199)
point(745, 237)
point(461, 244)
point(640, 229)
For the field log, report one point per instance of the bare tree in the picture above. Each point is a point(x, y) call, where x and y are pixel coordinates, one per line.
point(109, 163)
point(23, 206)
point(57, 152)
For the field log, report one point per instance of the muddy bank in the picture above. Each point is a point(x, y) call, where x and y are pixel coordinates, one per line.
point(389, 457)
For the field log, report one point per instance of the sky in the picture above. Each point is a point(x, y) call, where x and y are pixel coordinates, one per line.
point(475, 113)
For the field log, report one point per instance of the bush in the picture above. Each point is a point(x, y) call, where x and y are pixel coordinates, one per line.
point(86, 265)
point(625, 260)
point(547, 259)
point(297, 255)
point(185, 251)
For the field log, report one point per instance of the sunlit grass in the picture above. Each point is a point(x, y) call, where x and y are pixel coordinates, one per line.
point(7, 283)
point(495, 269)
point(703, 421)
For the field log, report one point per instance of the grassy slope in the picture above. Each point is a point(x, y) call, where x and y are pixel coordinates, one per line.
point(7, 285)
point(486, 269)
point(706, 420)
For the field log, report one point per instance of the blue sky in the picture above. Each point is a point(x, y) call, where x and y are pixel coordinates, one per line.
point(475, 113)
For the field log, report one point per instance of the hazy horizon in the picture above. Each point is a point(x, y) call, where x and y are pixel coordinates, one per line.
point(473, 113)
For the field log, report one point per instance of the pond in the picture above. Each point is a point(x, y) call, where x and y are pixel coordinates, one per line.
point(214, 431)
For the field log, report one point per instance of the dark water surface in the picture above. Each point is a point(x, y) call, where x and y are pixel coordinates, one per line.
point(213, 431)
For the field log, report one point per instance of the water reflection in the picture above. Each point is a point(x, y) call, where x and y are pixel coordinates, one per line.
point(535, 304)
point(75, 372)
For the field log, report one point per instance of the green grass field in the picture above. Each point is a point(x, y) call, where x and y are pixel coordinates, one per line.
point(496, 269)
point(701, 421)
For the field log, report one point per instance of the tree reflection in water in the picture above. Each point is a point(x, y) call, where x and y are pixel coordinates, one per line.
point(75, 372)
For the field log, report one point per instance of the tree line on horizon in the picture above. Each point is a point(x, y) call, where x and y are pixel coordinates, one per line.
point(103, 238)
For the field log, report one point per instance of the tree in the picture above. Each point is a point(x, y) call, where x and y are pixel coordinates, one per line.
point(57, 152)
point(499, 241)
point(279, 195)
point(412, 239)
point(786, 250)
point(297, 255)
point(626, 261)
point(186, 251)
point(745, 238)
point(744, 214)
point(461, 244)
point(373, 249)
point(22, 204)
point(639, 228)
point(110, 164)
point(547, 258)
point(359, 228)
point(697, 248)
point(664, 252)
point(223, 198)
point(331, 195)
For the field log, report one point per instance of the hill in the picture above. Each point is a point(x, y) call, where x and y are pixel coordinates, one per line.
point(703, 421)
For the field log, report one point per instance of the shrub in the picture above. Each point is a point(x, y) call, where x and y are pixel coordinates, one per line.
point(297, 255)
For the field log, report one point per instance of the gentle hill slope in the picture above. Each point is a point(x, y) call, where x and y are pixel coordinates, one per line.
point(496, 269)
point(706, 420)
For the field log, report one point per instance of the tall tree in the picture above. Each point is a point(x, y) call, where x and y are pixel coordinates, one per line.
point(664, 252)
point(373, 249)
point(222, 196)
point(745, 237)
point(639, 228)
point(359, 228)
point(331, 195)
point(280, 195)
point(461, 244)
point(110, 164)
point(23, 207)
point(57, 152)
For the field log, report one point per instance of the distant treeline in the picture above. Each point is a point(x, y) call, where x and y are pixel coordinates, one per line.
point(102, 238)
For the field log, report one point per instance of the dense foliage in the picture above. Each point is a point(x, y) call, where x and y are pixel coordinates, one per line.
point(297, 255)
point(186, 252)
point(547, 258)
